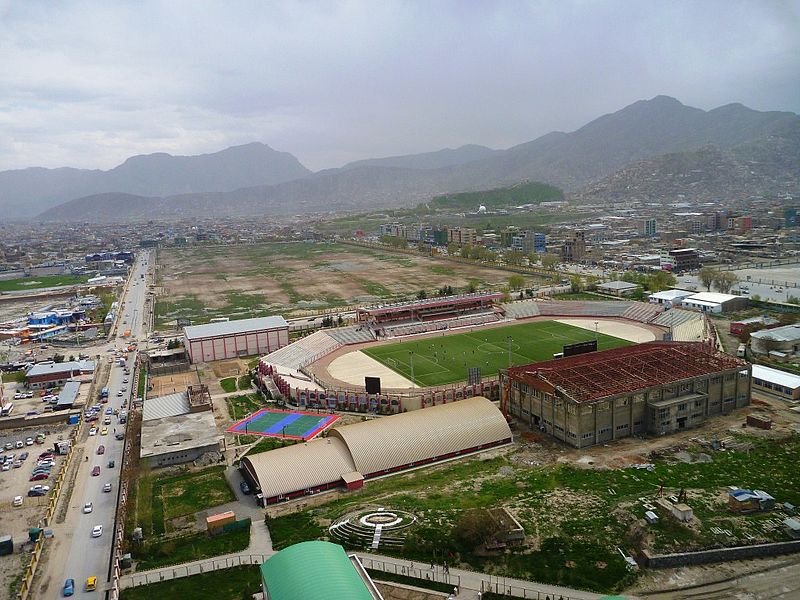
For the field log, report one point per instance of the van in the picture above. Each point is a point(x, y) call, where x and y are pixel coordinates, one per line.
point(91, 583)
point(741, 351)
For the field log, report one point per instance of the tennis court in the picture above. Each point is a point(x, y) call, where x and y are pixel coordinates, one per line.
point(291, 424)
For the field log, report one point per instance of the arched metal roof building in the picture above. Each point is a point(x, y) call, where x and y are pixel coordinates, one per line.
point(352, 453)
point(286, 576)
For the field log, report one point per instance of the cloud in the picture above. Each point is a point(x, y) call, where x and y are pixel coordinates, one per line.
point(90, 83)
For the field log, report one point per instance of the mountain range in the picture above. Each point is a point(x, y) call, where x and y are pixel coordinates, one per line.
point(592, 163)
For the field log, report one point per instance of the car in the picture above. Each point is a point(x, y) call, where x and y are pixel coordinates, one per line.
point(107, 487)
point(244, 487)
point(93, 431)
point(97, 531)
point(101, 449)
point(19, 396)
point(123, 389)
point(69, 587)
point(6, 466)
point(17, 464)
point(37, 476)
point(87, 508)
point(24, 456)
point(107, 421)
point(29, 395)
point(119, 435)
point(125, 380)
point(119, 394)
point(92, 419)
point(96, 471)
point(19, 444)
point(104, 431)
point(29, 441)
point(111, 464)
point(38, 490)
point(109, 411)
point(47, 454)
point(17, 501)
point(9, 445)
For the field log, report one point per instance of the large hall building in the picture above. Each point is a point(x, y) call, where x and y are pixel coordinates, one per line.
point(655, 388)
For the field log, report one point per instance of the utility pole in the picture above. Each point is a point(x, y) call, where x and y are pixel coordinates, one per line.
point(509, 339)
point(411, 359)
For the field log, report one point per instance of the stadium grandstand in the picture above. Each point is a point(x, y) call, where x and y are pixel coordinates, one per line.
point(351, 454)
point(431, 309)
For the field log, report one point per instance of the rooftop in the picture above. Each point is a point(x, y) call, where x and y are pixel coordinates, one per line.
point(789, 380)
point(69, 393)
point(232, 327)
point(714, 297)
point(86, 366)
point(787, 333)
point(171, 405)
point(671, 294)
point(183, 432)
point(618, 285)
point(596, 375)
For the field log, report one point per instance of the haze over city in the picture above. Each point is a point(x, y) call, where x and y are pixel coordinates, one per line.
point(88, 84)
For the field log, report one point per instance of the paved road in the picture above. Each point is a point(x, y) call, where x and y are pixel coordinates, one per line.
point(78, 554)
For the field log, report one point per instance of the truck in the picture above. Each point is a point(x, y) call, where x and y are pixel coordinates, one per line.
point(741, 351)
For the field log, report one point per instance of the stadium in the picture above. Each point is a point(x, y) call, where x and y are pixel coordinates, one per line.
point(435, 351)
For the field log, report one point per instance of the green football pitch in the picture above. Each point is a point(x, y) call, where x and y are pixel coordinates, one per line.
point(442, 359)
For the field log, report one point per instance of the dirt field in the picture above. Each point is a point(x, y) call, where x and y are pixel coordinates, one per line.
point(246, 281)
point(170, 384)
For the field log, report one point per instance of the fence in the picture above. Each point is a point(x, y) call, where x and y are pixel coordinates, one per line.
point(437, 574)
point(189, 569)
point(498, 585)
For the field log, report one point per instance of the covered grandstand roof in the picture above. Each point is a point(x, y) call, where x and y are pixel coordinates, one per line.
point(432, 302)
point(193, 332)
point(301, 466)
point(596, 375)
point(379, 445)
point(419, 435)
point(313, 570)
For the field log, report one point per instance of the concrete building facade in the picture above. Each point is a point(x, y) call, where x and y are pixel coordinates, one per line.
point(655, 388)
point(231, 339)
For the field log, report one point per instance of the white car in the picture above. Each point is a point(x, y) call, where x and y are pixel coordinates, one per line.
point(20, 444)
point(97, 531)
point(93, 431)
point(29, 441)
point(17, 501)
point(87, 508)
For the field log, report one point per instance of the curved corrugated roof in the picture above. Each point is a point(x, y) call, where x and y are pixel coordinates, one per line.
point(419, 435)
point(301, 466)
point(287, 574)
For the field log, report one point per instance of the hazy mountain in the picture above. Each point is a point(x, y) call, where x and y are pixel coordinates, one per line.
point(27, 192)
point(763, 167)
point(641, 131)
point(429, 160)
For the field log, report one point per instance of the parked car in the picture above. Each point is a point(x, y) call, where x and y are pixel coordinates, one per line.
point(93, 431)
point(20, 444)
point(39, 476)
point(24, 456)
point(96, 471)
point(29, 441)
point(69, 587)
point(244, 487)
point(97, 531)
point(17, 501)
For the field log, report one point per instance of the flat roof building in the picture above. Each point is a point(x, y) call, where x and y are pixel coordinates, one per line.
point(43, 375)
point(713, 302)
point(653, 388)
point(669, 298)
point(774, 381)
point(618, 288)
point(231, 339)
point(780, 342)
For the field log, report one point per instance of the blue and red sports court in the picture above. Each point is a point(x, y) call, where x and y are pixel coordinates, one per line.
point(291, 424)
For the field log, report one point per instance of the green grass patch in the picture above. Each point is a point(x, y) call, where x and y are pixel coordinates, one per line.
point(245, 382)
point(441, 270)
point(155, 554)
point(16, 377)
point(441, 360)
point(228, 384)
point(140, 386)
point(228, 584)
point(192, 492)
point(414, 581)
point(241, 406)
point(36, 283)
point(292, 529)
point(265, 444)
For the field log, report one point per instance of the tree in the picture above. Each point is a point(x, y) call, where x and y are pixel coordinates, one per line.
point(533, 258)
point(707, 277)
point(549, 261)
point(422, 294)
point(474, 528)
point(506, 296)
point(515, 257)
point(472, 286)
point(724, 281)
point(576, 283)
point(660, 280)
point(466, 249)
point(516, 282)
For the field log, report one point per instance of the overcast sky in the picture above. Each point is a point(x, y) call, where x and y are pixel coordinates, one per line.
point(88, 84)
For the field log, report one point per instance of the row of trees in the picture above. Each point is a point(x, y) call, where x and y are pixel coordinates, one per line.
point(722, 280)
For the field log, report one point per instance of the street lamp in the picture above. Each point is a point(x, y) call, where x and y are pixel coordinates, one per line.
point(509, 339)
point(411, 359)
point(283, 431)
point(595, 331)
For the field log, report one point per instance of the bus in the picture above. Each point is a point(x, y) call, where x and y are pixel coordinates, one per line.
point(6, 410)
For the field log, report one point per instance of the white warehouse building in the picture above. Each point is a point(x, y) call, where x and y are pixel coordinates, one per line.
point(231, 339)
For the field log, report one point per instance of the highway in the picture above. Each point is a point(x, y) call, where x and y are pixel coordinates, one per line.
point(80, 555)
